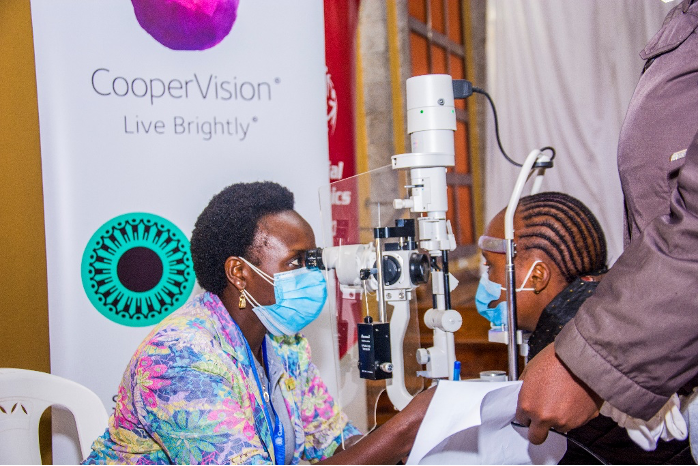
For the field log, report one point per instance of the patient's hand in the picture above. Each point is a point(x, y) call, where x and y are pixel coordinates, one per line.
point(551, 396)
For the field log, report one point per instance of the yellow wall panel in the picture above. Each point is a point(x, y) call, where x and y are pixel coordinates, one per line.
point(24, 329)
point(24, 320)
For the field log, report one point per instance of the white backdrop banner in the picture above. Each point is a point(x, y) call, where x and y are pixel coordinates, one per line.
point(562, 74)
point(141, 124)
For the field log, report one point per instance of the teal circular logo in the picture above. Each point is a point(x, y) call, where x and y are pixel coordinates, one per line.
point(137, 269)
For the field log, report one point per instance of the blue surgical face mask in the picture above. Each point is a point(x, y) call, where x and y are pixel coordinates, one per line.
point(299, 298)
point(489, 291)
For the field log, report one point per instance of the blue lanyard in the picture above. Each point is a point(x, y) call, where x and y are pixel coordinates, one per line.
point(278, 428)
point(278, 431)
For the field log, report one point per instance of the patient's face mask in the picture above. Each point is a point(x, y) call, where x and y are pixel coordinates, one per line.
point(299, 298)
point(489, 291)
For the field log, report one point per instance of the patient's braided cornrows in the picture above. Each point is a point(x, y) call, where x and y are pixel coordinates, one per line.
point(562, 227)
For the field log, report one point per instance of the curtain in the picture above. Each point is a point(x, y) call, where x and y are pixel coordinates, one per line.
point(561, 74)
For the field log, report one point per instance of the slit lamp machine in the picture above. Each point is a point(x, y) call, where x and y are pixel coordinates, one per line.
point(416, 251)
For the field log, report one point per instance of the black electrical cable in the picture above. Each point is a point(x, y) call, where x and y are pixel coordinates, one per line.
point(495, 122)
point(551, 149)
point(498, 135)
point(598, 458)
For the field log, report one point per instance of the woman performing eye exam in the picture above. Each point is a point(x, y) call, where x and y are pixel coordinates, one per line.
point(228, 378)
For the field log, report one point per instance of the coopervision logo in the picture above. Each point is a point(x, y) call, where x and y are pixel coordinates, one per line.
point(137, 268)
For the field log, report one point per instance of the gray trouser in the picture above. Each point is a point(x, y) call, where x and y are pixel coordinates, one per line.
point(693, 428)
point(689, 408)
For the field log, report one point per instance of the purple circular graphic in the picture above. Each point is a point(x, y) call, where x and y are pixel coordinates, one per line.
point(186, 24)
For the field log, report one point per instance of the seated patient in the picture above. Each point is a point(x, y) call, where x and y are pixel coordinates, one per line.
point(560, 257)
point(227, 378)
point(561, 252)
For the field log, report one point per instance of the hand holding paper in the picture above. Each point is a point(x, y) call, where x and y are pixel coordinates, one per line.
point(551, 397)
point(469, 422)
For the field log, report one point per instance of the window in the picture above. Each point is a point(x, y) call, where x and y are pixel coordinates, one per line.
point(437, 46)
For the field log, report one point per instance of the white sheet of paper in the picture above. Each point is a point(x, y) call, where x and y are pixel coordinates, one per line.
point(469, 422)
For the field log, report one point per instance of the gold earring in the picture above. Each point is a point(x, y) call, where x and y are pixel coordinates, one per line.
point(241, 300)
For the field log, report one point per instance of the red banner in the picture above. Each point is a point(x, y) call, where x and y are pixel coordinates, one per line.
point(341, 24)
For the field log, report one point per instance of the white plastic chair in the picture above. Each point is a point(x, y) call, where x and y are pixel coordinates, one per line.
point(25, 395)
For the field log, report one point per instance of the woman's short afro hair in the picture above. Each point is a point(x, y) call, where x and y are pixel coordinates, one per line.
point(226, 227)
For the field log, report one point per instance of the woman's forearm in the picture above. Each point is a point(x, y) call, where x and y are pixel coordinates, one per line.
point(387, 445)
point(391, 442)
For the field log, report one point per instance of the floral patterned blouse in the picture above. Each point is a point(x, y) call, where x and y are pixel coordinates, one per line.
point(189, 396)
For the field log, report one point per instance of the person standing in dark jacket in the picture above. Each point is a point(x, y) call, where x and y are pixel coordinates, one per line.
point(634, 342)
